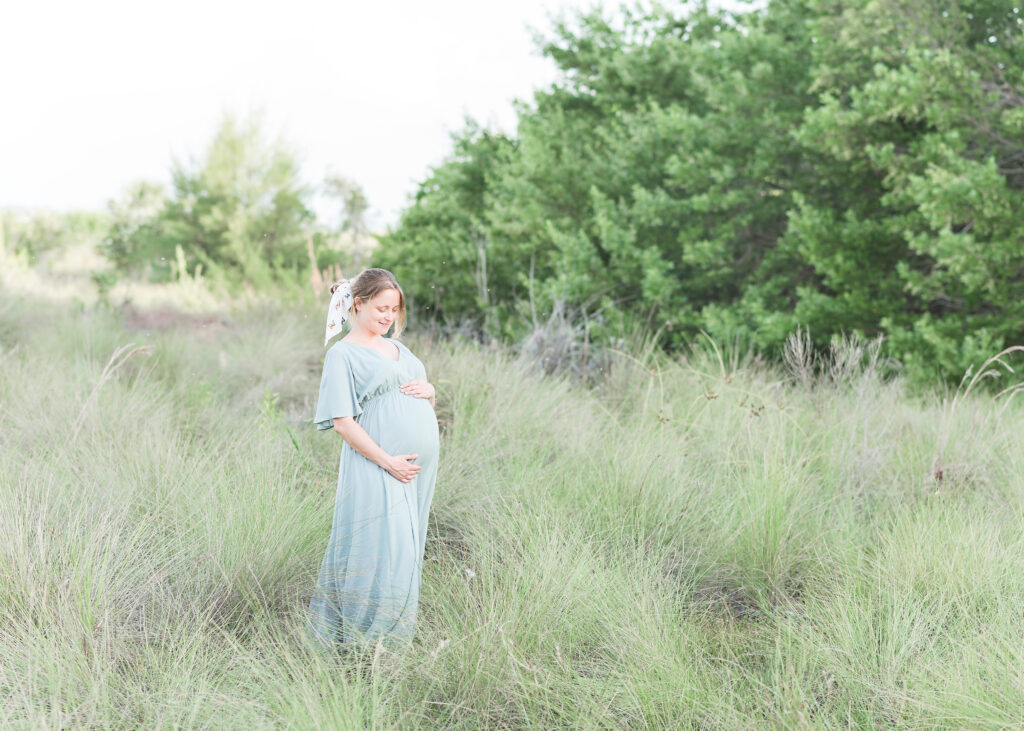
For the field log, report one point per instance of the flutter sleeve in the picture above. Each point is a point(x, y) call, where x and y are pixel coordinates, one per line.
point(338, 395)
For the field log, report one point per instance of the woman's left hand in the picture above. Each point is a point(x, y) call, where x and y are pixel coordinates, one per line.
point(418, 388)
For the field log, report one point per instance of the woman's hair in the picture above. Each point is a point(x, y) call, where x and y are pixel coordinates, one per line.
point(371, 282)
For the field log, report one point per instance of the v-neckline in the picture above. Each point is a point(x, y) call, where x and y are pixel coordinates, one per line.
point(374, 350)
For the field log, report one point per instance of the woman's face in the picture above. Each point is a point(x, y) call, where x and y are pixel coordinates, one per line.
point(378, 314)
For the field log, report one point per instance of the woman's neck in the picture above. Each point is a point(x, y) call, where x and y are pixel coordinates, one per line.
point(362, 335)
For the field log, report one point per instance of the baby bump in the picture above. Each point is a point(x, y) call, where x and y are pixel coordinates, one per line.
point(402, 424)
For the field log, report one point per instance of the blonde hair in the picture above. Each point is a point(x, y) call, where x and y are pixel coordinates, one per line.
point(368, 284)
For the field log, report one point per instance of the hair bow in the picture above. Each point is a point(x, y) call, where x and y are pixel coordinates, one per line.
point(337, 312)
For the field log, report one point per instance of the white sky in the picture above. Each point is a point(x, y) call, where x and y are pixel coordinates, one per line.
point(95, 95)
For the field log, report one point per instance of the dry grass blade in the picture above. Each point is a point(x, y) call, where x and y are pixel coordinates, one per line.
point(118, 359)
point(4, 355)
point(798, 354)
point(985, 371)
point(1009, 392)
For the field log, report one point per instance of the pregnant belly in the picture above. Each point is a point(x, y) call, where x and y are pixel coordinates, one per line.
point(402, 424)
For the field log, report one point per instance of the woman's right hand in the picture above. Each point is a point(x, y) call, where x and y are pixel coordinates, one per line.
point(401, 468)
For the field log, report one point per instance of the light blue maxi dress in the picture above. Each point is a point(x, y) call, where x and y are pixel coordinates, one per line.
point(369, 582)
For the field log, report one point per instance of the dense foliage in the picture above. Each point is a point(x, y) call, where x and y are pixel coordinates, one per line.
point(845, 165)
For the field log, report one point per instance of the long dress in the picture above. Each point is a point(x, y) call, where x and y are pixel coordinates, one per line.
point(369, 582)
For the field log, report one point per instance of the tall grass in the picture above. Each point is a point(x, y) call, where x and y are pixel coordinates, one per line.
point(707, 542)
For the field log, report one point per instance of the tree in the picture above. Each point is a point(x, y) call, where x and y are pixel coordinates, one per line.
point(441, 250)
point(353, 205)
point(240, 211)
point(849, 166)
point(919, 116)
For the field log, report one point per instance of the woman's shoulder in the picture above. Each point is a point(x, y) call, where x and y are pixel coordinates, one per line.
point(344, 349)
point(336, 351)
point(402, 346)
point(340, 354)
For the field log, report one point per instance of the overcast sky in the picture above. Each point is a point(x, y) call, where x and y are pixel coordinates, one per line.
point(98, 94)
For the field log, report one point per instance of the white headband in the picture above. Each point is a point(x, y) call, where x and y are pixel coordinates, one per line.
point(337, 312)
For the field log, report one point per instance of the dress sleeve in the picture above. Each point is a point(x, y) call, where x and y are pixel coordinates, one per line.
point(338, 395)
point(422, 370)
point(418, 369)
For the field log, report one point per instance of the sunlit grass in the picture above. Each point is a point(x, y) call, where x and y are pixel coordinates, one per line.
point(706, 542)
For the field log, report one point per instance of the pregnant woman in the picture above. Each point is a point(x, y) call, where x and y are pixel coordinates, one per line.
point(374, 393)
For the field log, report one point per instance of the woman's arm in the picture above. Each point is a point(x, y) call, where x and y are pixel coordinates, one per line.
point(398, 466)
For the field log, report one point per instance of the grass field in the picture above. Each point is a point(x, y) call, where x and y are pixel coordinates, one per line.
point(707, 542)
